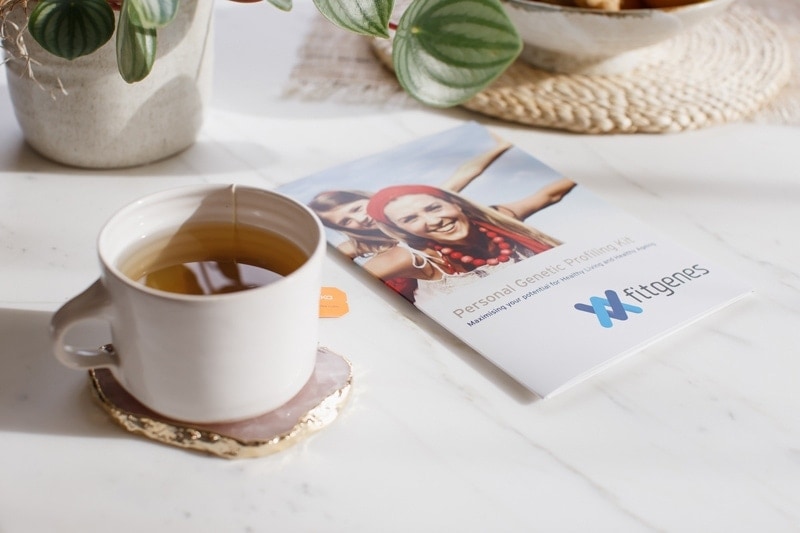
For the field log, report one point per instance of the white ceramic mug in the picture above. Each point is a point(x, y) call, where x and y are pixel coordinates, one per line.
point(214, 358)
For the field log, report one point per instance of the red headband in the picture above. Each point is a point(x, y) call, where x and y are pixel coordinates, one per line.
point(379, 200)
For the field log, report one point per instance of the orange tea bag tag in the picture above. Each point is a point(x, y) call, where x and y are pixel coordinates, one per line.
point(332, 303)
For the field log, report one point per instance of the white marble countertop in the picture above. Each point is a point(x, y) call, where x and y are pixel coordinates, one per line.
point(699, 432)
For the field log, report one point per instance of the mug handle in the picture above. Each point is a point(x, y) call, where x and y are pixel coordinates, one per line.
point(90, 303)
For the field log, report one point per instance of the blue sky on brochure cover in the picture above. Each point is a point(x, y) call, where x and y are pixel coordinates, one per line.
point(432, 159)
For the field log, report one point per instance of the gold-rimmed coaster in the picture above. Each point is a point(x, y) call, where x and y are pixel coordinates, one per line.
point(314, 407)
point(722, 70)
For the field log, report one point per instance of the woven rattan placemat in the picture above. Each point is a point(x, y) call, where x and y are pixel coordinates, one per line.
point(334, 65)
point(722, 70)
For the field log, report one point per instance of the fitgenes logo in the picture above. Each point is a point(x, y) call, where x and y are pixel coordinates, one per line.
point(607, 308)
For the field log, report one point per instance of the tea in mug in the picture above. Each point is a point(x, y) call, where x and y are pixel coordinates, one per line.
point(213, 258)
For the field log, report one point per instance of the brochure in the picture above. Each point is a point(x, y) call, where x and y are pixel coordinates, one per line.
point(532, 270)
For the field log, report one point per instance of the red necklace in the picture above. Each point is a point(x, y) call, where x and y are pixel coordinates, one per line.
point(453, 256)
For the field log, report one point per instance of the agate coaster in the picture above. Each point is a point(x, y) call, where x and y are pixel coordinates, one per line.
point(316, 405)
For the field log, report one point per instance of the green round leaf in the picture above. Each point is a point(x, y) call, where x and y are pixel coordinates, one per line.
point(71, 29)
point(136, 46)
point(367, 17)
point(447, 51)
point(154, 14)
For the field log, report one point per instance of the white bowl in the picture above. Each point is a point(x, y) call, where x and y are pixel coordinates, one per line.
point(591, 41)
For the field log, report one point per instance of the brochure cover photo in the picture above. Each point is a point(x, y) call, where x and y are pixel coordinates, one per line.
point(527, 267)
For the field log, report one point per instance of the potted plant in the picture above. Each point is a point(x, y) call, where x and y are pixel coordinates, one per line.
point(81, 111)
point(444, 51)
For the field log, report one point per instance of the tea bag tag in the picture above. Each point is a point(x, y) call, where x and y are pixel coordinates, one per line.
point(332, 303)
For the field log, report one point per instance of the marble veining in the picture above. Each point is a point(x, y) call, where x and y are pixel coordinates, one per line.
point(699, 432)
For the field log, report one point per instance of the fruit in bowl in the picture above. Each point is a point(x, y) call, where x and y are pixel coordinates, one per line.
point(610, 38)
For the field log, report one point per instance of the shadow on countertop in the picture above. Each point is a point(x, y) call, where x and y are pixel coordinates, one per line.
point(37, 393)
